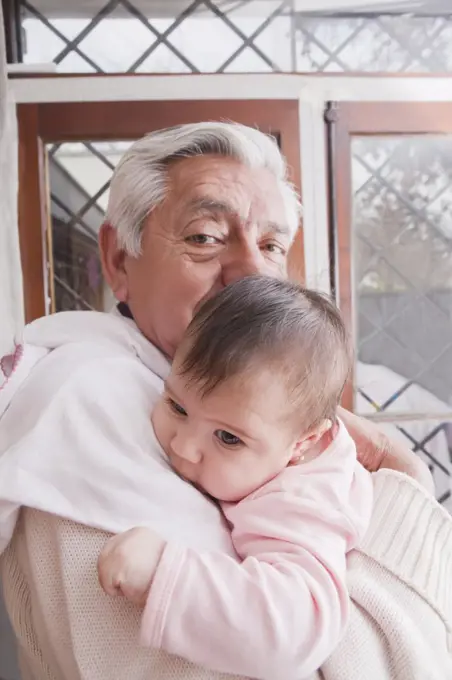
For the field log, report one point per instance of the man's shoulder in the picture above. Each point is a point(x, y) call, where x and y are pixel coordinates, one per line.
point(91, 371)
point(91, 350)
point(85, 376)
point(86, 389)
point(104, 373)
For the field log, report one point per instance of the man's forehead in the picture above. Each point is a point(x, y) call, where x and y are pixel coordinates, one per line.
point(249, 208)
point(226, 206)
point(222, 185)
point(222, 206)
point(224, 176)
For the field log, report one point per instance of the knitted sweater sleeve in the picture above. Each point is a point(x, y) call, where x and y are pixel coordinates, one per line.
point(399, 585)
point(400, 588)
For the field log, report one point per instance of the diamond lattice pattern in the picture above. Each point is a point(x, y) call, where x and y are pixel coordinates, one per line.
point(229, 36)
point(402, 259)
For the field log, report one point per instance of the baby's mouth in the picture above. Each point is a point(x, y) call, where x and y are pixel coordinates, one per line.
point(184, 477)
point(197, 486)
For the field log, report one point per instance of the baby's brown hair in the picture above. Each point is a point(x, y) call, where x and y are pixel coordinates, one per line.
point(296, 332)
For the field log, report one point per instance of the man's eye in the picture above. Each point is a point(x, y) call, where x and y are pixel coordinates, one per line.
point(203, 240)
point(177, 408)
point(274, 248)
point(227, 438)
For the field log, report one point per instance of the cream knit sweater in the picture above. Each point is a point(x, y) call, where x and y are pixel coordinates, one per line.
point(400, 584)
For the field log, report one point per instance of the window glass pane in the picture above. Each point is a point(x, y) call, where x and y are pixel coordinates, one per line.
point(402, 283)
point(80, 174)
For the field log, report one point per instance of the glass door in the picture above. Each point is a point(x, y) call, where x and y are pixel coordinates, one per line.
point(393, 233)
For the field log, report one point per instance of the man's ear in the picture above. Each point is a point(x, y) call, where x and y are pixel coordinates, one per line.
point(307, 441)
point(113, 262)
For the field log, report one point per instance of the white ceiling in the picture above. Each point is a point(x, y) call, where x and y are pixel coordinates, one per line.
point(171, 8)
point(404, 6)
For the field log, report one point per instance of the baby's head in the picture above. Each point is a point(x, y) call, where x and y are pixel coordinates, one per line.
point(254, 384)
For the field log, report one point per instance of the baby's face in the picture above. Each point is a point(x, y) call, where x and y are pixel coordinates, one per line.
point(232, 441)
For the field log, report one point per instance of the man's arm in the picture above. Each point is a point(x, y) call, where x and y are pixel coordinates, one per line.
point(376, 450)
point(401, 594)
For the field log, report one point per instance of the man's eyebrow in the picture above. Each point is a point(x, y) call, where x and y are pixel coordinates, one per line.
point(211, 205)
point(281, 229)
point(216, 206)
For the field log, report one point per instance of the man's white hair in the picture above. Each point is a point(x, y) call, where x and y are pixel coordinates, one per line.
point(139, 182)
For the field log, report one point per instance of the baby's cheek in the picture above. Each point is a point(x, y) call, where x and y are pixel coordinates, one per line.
point(244, 479)
point(220, 474)
point(220, 480)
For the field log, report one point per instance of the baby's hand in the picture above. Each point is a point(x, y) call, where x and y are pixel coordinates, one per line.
point(128, 562)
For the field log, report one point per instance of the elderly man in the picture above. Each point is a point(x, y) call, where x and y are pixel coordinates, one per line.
point(191, 209)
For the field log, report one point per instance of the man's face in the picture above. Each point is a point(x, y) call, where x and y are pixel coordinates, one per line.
point(219, 222)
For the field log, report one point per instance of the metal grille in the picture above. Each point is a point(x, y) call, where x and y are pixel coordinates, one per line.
point(402, 254)
point(242, 36)
point(374, 43)
point(204, 36)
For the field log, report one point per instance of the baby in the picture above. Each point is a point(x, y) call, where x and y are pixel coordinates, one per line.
point(249, 417)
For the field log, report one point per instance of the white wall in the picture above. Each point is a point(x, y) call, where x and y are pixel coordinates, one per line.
point(11, 307)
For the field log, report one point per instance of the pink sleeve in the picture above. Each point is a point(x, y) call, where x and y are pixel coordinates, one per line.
point(280, 612)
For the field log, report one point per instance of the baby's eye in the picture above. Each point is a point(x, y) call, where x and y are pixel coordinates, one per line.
point(227, 438)
point(177, 408)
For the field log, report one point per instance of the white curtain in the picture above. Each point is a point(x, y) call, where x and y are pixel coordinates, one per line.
point(11, 297)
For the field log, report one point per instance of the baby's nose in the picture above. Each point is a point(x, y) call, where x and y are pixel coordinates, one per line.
point(186, 448)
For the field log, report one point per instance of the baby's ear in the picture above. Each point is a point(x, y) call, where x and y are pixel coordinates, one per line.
point(309, 440)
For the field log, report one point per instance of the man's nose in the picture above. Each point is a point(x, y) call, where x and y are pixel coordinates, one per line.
point(242, 262)
point(185, 447)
